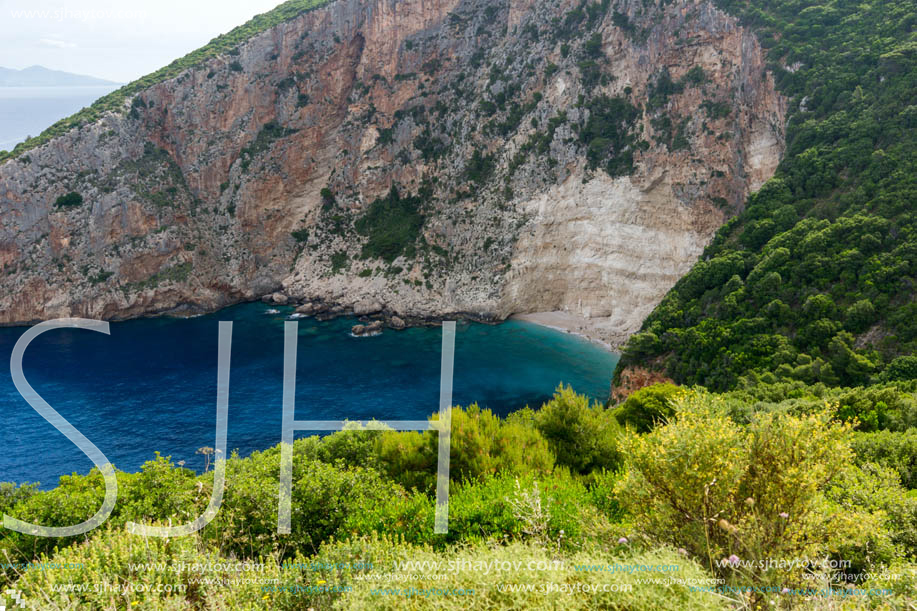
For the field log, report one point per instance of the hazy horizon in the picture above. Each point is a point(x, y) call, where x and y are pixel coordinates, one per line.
point(110, 40)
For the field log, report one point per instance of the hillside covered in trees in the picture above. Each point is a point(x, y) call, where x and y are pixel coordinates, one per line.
point(815, 280)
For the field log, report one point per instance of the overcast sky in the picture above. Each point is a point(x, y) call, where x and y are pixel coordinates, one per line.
point(115, 40)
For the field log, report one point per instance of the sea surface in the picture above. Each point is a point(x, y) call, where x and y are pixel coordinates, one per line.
point(28, 111)
point(151, 384)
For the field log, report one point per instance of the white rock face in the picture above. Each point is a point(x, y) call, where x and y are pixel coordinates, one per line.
point(606, 250)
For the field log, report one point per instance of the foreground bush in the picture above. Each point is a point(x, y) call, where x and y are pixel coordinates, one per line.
point(583, 437)
point(731, 482)
point(723, 491)
point(116, 570)
point(522, 588)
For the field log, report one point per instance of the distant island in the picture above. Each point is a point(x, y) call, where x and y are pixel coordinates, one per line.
point(39, 76)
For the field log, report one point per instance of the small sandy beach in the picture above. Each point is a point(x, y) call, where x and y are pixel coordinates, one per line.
point(567, 322)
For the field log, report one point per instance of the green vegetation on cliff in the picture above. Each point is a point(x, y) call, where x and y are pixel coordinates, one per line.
point(815, 280)
point(392, 225)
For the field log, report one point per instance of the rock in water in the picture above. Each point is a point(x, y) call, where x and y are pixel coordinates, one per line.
point(373, 328)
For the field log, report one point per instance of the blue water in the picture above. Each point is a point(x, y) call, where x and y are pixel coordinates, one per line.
point(151, 384)
point(28, 111)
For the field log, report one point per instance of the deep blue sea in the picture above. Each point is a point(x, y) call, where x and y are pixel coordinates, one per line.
point(28, 111)
point(151, 384)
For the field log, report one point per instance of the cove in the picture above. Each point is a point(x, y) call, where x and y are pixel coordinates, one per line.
point(151, 385)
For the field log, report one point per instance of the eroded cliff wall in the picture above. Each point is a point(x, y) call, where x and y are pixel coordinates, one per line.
point(547, 156)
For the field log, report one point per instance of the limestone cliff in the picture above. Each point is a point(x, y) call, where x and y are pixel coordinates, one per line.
point(546, 156)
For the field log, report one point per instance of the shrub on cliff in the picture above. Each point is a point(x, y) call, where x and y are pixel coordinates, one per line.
point(392, 226)
point(643, 409)
point(70, 200)
point(582, 437)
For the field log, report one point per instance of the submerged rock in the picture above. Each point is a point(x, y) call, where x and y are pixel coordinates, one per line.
point(373, 328)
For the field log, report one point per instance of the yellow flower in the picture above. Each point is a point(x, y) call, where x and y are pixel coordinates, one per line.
point(321, 581)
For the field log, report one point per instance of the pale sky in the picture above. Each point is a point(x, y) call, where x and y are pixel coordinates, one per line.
point(119, 41)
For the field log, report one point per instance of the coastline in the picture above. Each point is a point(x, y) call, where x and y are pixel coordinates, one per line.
point(566, 323)
point(322, 310)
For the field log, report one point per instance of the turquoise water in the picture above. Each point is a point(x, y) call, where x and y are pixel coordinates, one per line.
point(151, 385)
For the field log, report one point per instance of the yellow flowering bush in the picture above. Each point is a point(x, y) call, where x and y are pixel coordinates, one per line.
point(741, 499)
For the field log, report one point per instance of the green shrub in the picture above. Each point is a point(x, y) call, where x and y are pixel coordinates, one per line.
point(708, 485)
point(338, 261)
point(11, 495)
point(482, 443)
point(872, 408)
point(75, 500)
point(269, 132)
point(480, 167)
point(70, 200)
point(112, 559)
point(431, 147)
point(892, 449)
point(873, 494)
point(391, 225)
point(607, 134)
point(355, 446)
point(902, 368)
point(407, 458)
point(324, 498)
point(643, 409)
point(601, 485)
point(552, 510)
point(582, 437)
